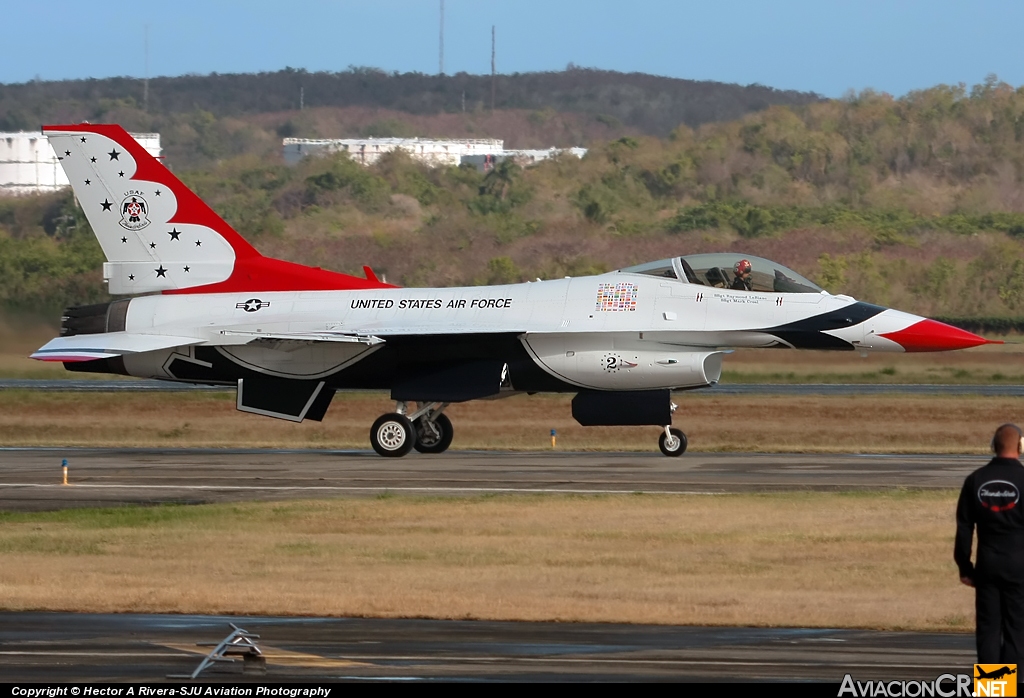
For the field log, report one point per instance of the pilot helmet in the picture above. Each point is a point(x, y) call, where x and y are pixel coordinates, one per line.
point(742, 266)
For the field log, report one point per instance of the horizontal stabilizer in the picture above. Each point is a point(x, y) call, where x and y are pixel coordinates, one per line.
point(88, 347)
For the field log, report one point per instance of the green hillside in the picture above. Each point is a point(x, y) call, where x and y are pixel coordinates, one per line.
point(650, 103)
point(914, 202)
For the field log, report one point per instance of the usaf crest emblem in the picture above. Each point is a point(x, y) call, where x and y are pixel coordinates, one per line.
point(134, 212)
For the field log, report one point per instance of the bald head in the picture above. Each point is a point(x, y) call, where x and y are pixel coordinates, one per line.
point(1006, 442)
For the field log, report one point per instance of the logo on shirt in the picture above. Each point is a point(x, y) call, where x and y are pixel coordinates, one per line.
point(998, 495)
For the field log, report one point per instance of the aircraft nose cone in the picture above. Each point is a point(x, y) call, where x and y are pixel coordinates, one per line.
point(931, 335)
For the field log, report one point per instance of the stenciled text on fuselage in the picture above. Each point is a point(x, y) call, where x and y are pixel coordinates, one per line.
point(429, 303)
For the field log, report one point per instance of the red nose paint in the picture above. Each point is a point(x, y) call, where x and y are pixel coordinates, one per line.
point(931, 335)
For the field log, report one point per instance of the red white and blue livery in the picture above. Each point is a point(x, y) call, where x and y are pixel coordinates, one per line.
point(202, 305)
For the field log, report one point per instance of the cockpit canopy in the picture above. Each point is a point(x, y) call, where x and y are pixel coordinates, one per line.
point(718, 270)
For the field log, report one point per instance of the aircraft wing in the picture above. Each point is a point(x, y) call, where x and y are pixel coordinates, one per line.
point(106, 345)
point(246, 337)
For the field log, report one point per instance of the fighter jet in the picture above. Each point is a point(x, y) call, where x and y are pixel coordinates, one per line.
point(201, 305)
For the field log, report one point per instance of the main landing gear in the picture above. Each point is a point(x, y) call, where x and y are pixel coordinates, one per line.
point(426, 429)
point(672, 442)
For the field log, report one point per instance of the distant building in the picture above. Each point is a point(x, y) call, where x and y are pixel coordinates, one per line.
point(368, 150)
point(482, 153)
point(29, 165)
point(523, 158)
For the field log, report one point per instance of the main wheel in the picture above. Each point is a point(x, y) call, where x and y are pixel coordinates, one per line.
point(675, 446)
point(392, 435)
point(434, 437)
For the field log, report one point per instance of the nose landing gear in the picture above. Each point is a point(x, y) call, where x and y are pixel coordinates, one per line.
point(672, 442)
point(426, 429)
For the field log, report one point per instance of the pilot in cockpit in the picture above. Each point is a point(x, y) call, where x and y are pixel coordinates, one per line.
point(741, 282)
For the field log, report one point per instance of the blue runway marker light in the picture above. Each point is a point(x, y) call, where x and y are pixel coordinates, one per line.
point(553, 435)
point(64, 466)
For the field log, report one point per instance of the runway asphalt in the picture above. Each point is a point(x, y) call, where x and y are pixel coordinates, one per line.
point(61, 647)
point(64, 647)
point(30, 478)
point(113, 386)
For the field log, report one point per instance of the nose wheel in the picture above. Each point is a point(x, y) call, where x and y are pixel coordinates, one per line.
point(672, 442)
point(427, 430)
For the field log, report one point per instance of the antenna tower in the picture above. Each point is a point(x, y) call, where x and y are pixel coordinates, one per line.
point(440, 56)
point(492, 67)
point(145, 79)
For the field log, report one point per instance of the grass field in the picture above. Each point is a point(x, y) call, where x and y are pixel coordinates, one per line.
point(882, 424)
point(838, 560)
point(999, 364)
point(875, 560)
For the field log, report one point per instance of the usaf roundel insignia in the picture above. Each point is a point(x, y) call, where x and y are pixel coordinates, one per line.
point(252, 305)
point(998, 495)
point(134, 213)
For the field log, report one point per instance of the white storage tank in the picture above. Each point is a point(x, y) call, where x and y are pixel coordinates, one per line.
point(29, 165)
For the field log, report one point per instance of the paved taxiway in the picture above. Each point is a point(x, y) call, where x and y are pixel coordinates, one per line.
point(64, 647)
point(44, 647)
point(30, 478)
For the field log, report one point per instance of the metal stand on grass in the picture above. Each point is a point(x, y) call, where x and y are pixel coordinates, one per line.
point(239, 643)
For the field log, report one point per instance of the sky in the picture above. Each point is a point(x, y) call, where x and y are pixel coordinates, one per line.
point(824, 46)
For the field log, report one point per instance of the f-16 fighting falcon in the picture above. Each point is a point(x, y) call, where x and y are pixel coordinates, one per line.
point(203, 306)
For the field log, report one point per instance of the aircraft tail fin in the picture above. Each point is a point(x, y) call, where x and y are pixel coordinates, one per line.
point(157, 234)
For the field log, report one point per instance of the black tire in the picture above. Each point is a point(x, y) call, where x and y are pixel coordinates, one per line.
point(680, 445)
point(429, 442)
point(392, 435)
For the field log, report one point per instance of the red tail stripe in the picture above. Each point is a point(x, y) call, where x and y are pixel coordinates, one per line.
point(191, 209)
point(269, 274)
point(252, 271)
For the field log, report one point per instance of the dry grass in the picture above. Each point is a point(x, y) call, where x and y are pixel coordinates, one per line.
point(990, 364)
point(860, 560)
point(17, 341)
point(885, 423)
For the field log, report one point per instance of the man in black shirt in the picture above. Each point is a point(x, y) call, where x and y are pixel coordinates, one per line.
point(990, 501)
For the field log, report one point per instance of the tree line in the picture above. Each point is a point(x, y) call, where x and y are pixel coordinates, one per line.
point(652, 104)
point(915, 202)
